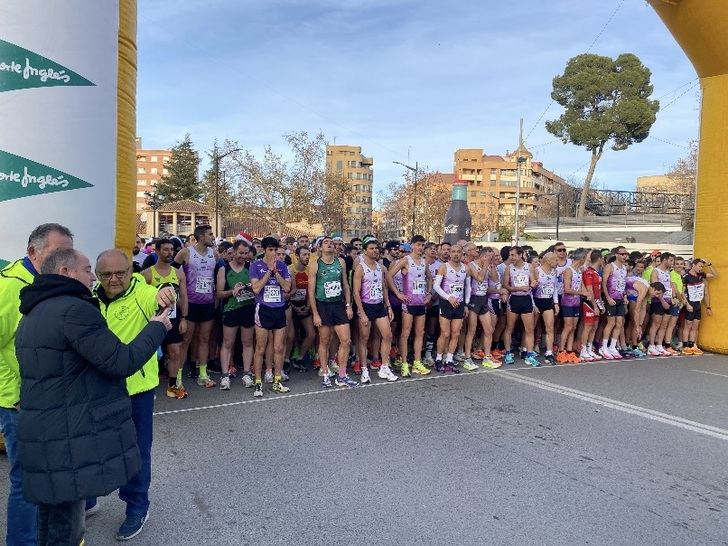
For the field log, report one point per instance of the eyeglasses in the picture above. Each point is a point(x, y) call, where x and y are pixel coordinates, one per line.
point(106, 275)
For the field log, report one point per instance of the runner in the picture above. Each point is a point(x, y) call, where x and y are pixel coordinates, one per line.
point(480, 310)
point(236, 294)
point(301, 310)
point(661, 314)
point(676, 276)
point(592, 307)
point(269, 278)
point(433, 308)
point(415, 295)
point(450, 284)
point(372, 303)
point(517, 281)
point(546, 299)
point(614, 284)
point(160, 275)
point(198, 263)
point(571, 306)
point(637, 296)
point(696, 292)
point(330, 299)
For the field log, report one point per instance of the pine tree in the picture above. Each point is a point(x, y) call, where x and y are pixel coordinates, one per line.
point(182, 181)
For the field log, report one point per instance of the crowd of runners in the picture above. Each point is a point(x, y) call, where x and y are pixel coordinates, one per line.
point(263, 309)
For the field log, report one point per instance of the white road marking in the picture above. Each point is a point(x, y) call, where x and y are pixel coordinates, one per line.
point(512, 374)
point(674, 420)
point(710, 373)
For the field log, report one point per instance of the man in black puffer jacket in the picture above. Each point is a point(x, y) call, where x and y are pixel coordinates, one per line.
point(76, 438)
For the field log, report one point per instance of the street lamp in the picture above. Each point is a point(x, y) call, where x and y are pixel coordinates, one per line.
point(154, 203)
point(415, 170)
point(216, 157)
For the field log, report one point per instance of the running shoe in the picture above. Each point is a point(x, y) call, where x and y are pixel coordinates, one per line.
point(549, 359)
point(428, 360)
point(615, 354)
point(672, 351)
point(641, 347)
point(687, 351)
point(258, 392)
point(365, 376)
point(451, 367)
point(524, 354)
point(225, 383)
point(497, 353)
point(532, 361)
point(268, 377)
point(356, 368)
point(171, 392)
point(345, 381)
point(439, 366)
point(376, 364)
point(585, 356)
point(326, 381)
point(594, 355)
point(284, 376)
point(508, 360)
point(490, 363)
point(479, 354)
point(397, 363)
point(386, 373)
point(419, 368)
point(696, 350)
point(638, 353)
point(469, 365)
point(606, 354)
point(405, 369)
point(664, 352)
point(460, 356)
point(205, 381)
point(679, 347)
point(248, 381)
point(279, 387)
point(573, 358)
point(654, 351)
point(562, 357)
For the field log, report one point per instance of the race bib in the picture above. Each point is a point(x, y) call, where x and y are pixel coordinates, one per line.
point(300, 295)
point(203, 285)
point(375, 292)
point(332, 289)
point(173, 312)
point(620, 285)
point(482, 286)
point(696, 292)
point(521, 279)
point(418, 287)
point(244, 296)
point(548, 290)
point(457, 289)
point(272, 293)
point(668, 292)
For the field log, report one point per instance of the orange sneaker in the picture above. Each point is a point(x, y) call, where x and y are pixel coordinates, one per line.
point(696, 350)
point(573, 358)
point(479, 354)
point(562, 357)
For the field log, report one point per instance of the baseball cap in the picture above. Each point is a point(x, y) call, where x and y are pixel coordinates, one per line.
point(391, 244)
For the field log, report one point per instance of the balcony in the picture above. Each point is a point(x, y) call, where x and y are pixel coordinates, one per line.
point(367, 161)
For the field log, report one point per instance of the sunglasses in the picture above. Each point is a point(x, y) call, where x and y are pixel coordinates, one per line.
point(560, 250)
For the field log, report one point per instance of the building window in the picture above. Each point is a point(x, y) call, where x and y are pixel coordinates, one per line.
point(339, 165)
point(153, 170)
point(153, 159)
point(141, 170)
point(141, 182)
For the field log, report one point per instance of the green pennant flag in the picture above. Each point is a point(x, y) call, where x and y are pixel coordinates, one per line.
point(23, 69)
point(21, 177)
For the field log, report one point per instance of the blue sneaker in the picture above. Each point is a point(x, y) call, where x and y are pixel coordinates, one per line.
point(509, 358)
point(326, 381)
point(345, 381)
point(131, 527)
point(532, 361)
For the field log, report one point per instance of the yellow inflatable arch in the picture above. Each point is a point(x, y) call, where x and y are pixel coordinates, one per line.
point(68, 104)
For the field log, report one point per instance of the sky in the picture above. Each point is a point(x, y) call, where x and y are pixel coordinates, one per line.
point(407, 80)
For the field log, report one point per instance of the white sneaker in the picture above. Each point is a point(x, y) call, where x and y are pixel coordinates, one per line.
point(225, 383)
point(268, 377)
point(385, 372)
point(365, 375)
point(248, 381)
point(594, 355)
point(653, 351)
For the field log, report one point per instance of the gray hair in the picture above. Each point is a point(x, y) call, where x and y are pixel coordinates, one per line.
point(59, 258)
point(112, 252)
point(39, 236)
point(579, 254)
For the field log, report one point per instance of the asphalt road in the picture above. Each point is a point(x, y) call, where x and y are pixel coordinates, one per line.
point(630, 452)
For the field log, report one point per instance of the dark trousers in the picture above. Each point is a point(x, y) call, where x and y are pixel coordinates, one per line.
point(136, 493)
point(61, 524)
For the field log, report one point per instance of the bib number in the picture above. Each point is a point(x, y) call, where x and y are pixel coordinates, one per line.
point(696, 292)
point(332, 289)
point(244, 296)
point(272, 293)
point(457, 290)
point(620, 285)
point(300, 295)
point(521, 279)
point(203, 285)
point(548, 290)
point(668, 293)
point(482, 287)
point(173, 312)
point(375, 292)
point(418, 287)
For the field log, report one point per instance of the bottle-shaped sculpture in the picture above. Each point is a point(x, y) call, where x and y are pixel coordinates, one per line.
point(457, 219)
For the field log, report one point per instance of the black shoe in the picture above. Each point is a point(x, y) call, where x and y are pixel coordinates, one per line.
point(131, 527)
point(549, 359)
point(439, 366)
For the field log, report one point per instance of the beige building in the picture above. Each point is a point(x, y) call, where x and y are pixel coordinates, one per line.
point(355, 169)
point(151, 166)
point(492, 185)
point(656, 183)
